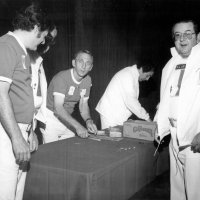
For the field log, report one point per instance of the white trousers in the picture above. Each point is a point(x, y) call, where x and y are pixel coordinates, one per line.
point(12, 179)
point(55, 130)
point(184, 171)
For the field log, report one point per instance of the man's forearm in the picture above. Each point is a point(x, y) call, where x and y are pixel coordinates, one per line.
point(84, 110)
point(7, 118)
point(135, 107)
point(86, 116)
point(66, 118)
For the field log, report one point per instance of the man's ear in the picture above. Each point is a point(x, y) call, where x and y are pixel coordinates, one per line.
point(91, 68)
point(36, 29)
point(140, 70)
point(198, 37)
point(73, 63)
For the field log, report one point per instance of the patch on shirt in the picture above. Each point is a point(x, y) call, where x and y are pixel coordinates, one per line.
point(71, 90)
point(83, 92)
point(181, 66)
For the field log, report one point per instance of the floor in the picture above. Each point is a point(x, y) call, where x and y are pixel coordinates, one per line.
point(159, 189)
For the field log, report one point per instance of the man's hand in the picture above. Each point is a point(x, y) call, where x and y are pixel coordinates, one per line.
point(157, 137)
point(21, 150)
point(33, 141)
point(91, 126)
point(149, 120)
point(195, 146)
point(82, 132)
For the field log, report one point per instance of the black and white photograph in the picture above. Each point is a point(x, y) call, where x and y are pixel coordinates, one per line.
point(99, 99)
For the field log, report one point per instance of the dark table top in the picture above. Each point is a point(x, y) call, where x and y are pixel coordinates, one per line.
point(86, 155)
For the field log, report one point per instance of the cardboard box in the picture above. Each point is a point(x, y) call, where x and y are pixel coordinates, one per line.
point(115, 131)
point(139, 129)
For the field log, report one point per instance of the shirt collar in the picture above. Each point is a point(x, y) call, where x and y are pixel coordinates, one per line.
point(196, 48)
point(18, 40)
point(175, 53)
point(73, 78)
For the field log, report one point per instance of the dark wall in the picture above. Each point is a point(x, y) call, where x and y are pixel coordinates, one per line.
point(118, 33)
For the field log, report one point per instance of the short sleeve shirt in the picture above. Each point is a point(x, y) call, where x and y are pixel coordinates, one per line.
point(65, 84)
point(15, 69)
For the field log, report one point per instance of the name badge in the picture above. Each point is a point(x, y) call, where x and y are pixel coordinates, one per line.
point(71, 90)
point(181, 66)
point(83, 92)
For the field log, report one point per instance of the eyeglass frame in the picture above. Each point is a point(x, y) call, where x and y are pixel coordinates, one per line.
point(185, 35)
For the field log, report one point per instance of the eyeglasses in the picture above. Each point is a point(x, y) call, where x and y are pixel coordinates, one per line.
point(186, 35)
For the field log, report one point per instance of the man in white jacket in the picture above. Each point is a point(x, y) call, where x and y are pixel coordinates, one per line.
point(179, 111)
point(120, 100)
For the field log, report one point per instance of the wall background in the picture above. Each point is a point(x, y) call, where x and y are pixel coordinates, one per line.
point(119, 33)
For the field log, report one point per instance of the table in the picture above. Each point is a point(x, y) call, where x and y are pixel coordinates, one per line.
point(85, 169)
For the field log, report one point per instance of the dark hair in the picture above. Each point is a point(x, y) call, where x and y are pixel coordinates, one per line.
point(49, 41)
point(196, 30)
point(146, 68)
point(28, 17)
point(146, 63)
point(83, 51)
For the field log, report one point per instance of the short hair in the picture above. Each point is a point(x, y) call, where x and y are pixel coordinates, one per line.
point(146, 68)
point(83, 51)
point(146, 63)
point(196, 30)
point(49, 39)
point(26, 18)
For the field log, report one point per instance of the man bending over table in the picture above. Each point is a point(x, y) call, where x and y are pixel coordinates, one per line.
point(66, 89)
point(120, 99)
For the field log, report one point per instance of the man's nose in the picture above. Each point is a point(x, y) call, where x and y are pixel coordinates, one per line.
point(84, 65)
point(182, 37)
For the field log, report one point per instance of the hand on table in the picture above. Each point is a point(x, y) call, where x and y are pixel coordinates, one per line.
point(149, 120)
point(91, 126)
point(82, 132)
